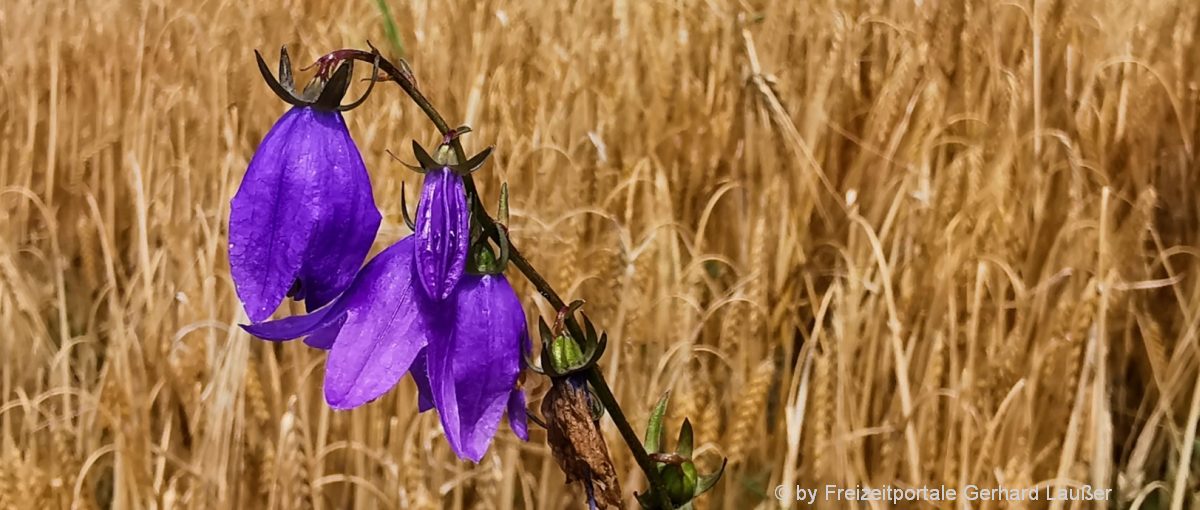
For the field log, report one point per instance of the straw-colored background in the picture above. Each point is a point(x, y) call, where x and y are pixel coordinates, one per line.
point(933, 242)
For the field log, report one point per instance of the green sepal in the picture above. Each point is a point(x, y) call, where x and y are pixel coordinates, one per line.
point(645, 500)
point(654, 429)
point(473, 164)
point(676, 481)
point(707, 482)
point(544, 331)
point(684, 445)
point(502, 210)
point(565, 354)
point(285, 69)
point(404, 209)
point(424, 160)
point(597, 407)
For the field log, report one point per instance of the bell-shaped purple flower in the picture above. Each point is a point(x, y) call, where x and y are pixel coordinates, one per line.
point(385, 322)
point(464, 353)
point(443, 232)
point(472, 373)
point(518, 420)
point(304, 218)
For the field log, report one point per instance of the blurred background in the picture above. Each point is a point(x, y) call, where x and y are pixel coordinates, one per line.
point(912, 243)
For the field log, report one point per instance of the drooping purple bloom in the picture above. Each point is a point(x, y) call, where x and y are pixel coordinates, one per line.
point(443, 232)
point(387, 322)
point(464, 353)
point(518, 421)
point(473, 372)
point(304, 217)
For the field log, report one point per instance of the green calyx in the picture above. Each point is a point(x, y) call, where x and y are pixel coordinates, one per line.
point(562, 353)
point(565, 354)
point(681, 481)
point(483, 261)
point(326, 90)
point(678, 469)
point(444, 156)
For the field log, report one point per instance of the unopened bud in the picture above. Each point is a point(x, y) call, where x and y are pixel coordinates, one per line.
point(566, 354)
point(681, 481)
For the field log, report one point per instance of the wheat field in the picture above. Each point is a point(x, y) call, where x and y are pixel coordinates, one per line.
point(913, 243)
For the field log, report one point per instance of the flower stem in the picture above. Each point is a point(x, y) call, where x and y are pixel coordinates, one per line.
point(403, 77)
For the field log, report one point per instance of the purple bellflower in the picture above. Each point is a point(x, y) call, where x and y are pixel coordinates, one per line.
point(443, 226)
point(443, 232)
point(304, 218)
point(473, 372)
point(385, 322)
point(464, 352)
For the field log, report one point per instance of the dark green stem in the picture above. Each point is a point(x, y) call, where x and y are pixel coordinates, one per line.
point(403, 77)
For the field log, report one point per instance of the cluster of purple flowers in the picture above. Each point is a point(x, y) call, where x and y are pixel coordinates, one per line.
point(301, 225)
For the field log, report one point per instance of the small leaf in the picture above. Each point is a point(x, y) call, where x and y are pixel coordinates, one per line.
point(371, 87)
point(502, 240)
point(684, 446)
point(502, 215)
point(404, 210)
point(284, 93)
point(576, 305)
point(597, 406)
point(475, 163)
point(645, 500)
point(589, 336)
point(285, 70)
point(527, 357)
point(423, 158)
point(596, 351)
point(707, 482)
point(544, 330)
point(654, 428)
point(335, 89)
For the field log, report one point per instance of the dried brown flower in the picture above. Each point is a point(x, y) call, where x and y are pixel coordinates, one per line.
point(577, 443)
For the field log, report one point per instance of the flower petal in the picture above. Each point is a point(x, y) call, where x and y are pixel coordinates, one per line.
point(518, 421)
point(386, 326)
point(473, 371)
point(347, 218)
point(289, 328)
point(420, 375)
point(323, 338)
point(443, 232)
point(271, 217)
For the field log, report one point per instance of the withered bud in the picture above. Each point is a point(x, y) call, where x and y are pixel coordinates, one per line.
point(577, 443)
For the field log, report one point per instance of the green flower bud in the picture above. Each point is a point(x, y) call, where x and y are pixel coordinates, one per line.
point(565, 354)
point(681, 481)
point(689, 479)
point(445, 156)
point(484, 261)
